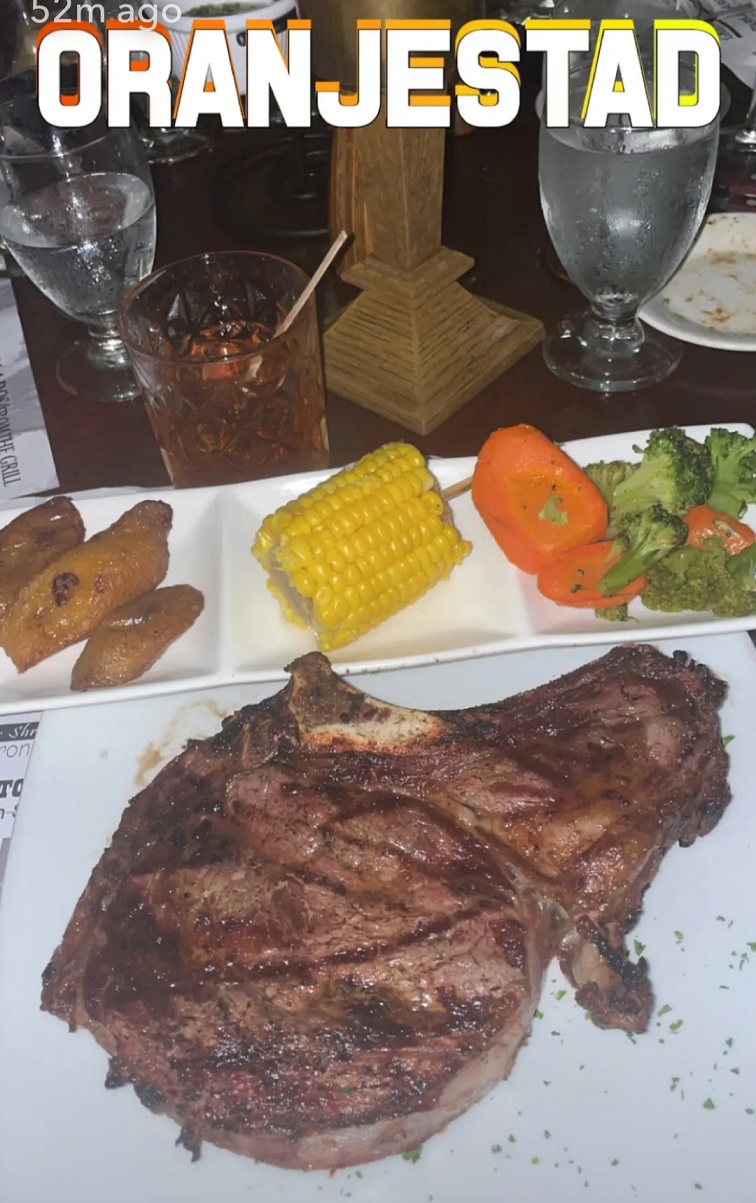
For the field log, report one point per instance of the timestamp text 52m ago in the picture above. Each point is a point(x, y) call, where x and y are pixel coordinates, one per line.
point(148, 15)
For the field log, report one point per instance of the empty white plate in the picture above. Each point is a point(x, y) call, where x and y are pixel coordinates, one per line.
point(711, 299)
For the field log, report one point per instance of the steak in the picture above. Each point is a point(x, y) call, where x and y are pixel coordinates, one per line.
point(319, 936)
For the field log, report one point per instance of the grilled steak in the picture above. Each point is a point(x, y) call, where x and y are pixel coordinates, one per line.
point(321, 935)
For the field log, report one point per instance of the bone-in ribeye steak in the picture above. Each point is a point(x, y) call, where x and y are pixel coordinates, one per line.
point(321, 935)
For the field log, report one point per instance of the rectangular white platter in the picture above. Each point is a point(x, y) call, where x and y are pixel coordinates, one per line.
point(632, 1120)
point(487, 606)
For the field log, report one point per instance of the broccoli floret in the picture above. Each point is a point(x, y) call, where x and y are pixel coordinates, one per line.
point(647, 537)
point(606, 475)
point(742, 569)
point(675, 473)
point(614, 613)
point(733, 461)
point(692, 579)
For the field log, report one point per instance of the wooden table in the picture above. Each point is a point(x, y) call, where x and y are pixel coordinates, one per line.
point(492, 212)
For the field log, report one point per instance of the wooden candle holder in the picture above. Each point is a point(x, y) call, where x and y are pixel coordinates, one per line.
point(415, 346)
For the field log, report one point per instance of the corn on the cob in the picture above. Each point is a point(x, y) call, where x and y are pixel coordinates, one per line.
point(361, 546)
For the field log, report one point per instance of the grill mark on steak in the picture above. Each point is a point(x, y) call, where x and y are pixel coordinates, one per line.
point(319, 936)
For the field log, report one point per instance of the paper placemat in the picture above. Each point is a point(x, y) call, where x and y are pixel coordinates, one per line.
point(735, 23)
point(26, 466)
point(17, 736)
point(26, 461)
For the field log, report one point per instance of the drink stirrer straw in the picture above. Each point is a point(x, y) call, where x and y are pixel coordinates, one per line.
point(454, 490)
point(304, 297)
point(462, 486)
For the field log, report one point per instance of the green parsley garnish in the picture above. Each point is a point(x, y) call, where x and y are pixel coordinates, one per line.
point(709, 1105)
point(639, 948)
point(413, 1155)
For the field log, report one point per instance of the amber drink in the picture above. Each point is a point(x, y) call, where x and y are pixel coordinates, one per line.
point(228, 398)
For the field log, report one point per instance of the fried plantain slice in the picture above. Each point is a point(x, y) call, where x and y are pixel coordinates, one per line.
point(32, 541)
point(130, 639)
point(64, 603)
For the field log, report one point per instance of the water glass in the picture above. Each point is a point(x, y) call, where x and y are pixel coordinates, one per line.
point(228, 397)
point(623, 207)
point(77, 212)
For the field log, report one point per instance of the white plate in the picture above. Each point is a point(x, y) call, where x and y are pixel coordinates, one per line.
point(590, 1106)
point(486, 606)
point(711, 299)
